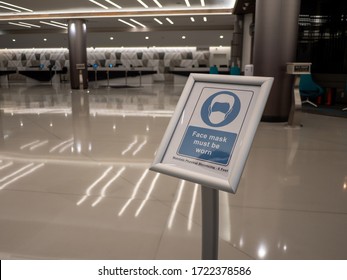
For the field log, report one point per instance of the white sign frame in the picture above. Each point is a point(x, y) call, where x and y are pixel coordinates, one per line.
point(260, 86)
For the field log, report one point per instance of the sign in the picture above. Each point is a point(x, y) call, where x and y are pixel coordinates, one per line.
point(210, 134)
point(298, 68)
point(213, 129)
point(80, 66)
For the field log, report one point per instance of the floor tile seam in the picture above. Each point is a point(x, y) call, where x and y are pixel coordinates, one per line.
point(72, 161)
point(289, 210)
point(162, 202)
point(43, 128)
point(200, 226)
point(160, 240)
point(239, 250)
point(255, 146)
point(112, 197)
point(58, 221)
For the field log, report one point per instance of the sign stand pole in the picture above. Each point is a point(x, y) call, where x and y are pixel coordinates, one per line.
point(210, 223)
point(296, 108)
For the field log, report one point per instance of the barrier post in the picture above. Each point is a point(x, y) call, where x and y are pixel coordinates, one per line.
point(210, 223)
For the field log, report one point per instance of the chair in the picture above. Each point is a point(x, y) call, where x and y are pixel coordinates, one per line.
point(234, 70)
point(213, 70)
point(309, 89)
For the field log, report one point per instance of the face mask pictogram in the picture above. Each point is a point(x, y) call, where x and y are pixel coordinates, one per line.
point(220, 109)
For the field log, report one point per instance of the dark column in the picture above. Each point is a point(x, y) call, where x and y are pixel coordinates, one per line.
point(78, 53)
point(236, 43)
point(275, 42)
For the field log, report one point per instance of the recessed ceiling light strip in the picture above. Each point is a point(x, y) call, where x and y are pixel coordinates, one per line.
point(139, 23)
point(169, 20)
point(100, 5)
point(187, 3)
point(113, 4)
point(125, 22)
point(158, 4)
point(52, 24)
point(14, 6)
point(59, 23)
point(29, 24)
point(157, 20)
point(143, 4)
point(18, 24)
point(11, 9)
point(203, 3)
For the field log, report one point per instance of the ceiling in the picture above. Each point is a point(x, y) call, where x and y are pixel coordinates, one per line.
point(26, 23)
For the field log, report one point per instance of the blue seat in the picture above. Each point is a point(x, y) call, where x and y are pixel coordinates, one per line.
point(234, 70)
point(309, 89)
point(213, 70)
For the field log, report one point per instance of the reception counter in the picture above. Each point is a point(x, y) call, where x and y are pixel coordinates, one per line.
point(104, 73)
point(122, 75)
point(186, 71)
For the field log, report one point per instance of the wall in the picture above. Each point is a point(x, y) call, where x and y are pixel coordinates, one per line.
point(161, 59)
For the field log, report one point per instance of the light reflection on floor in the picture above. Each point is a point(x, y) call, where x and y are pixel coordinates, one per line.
point(74, 182)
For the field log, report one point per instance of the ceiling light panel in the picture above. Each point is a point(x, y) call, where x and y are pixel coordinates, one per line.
point(59, 23)
point(19, 24)
point(10, 9)
point(99, 4)
point(10, 6)
point(30, 24)
point(138, 23)
point(158, 21)
point(52, 24)
point(113, 4)
point(143, 3)
point(169, 20)
point(158, 3)
point(127, 23)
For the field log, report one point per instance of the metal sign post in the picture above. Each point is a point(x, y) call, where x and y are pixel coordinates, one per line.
point(297, 69)
point(210, 223)
point(209, 137)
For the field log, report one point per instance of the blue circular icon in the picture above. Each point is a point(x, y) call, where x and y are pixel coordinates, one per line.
point(220, 109)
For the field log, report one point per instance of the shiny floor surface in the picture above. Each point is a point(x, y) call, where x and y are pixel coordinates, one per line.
point(74, 182)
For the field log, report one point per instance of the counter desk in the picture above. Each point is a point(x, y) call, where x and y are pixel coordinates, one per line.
point(5, 75)
point(122, 74)
point(181, 74)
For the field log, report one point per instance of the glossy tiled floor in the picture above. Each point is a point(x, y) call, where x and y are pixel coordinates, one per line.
point(74, 182)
